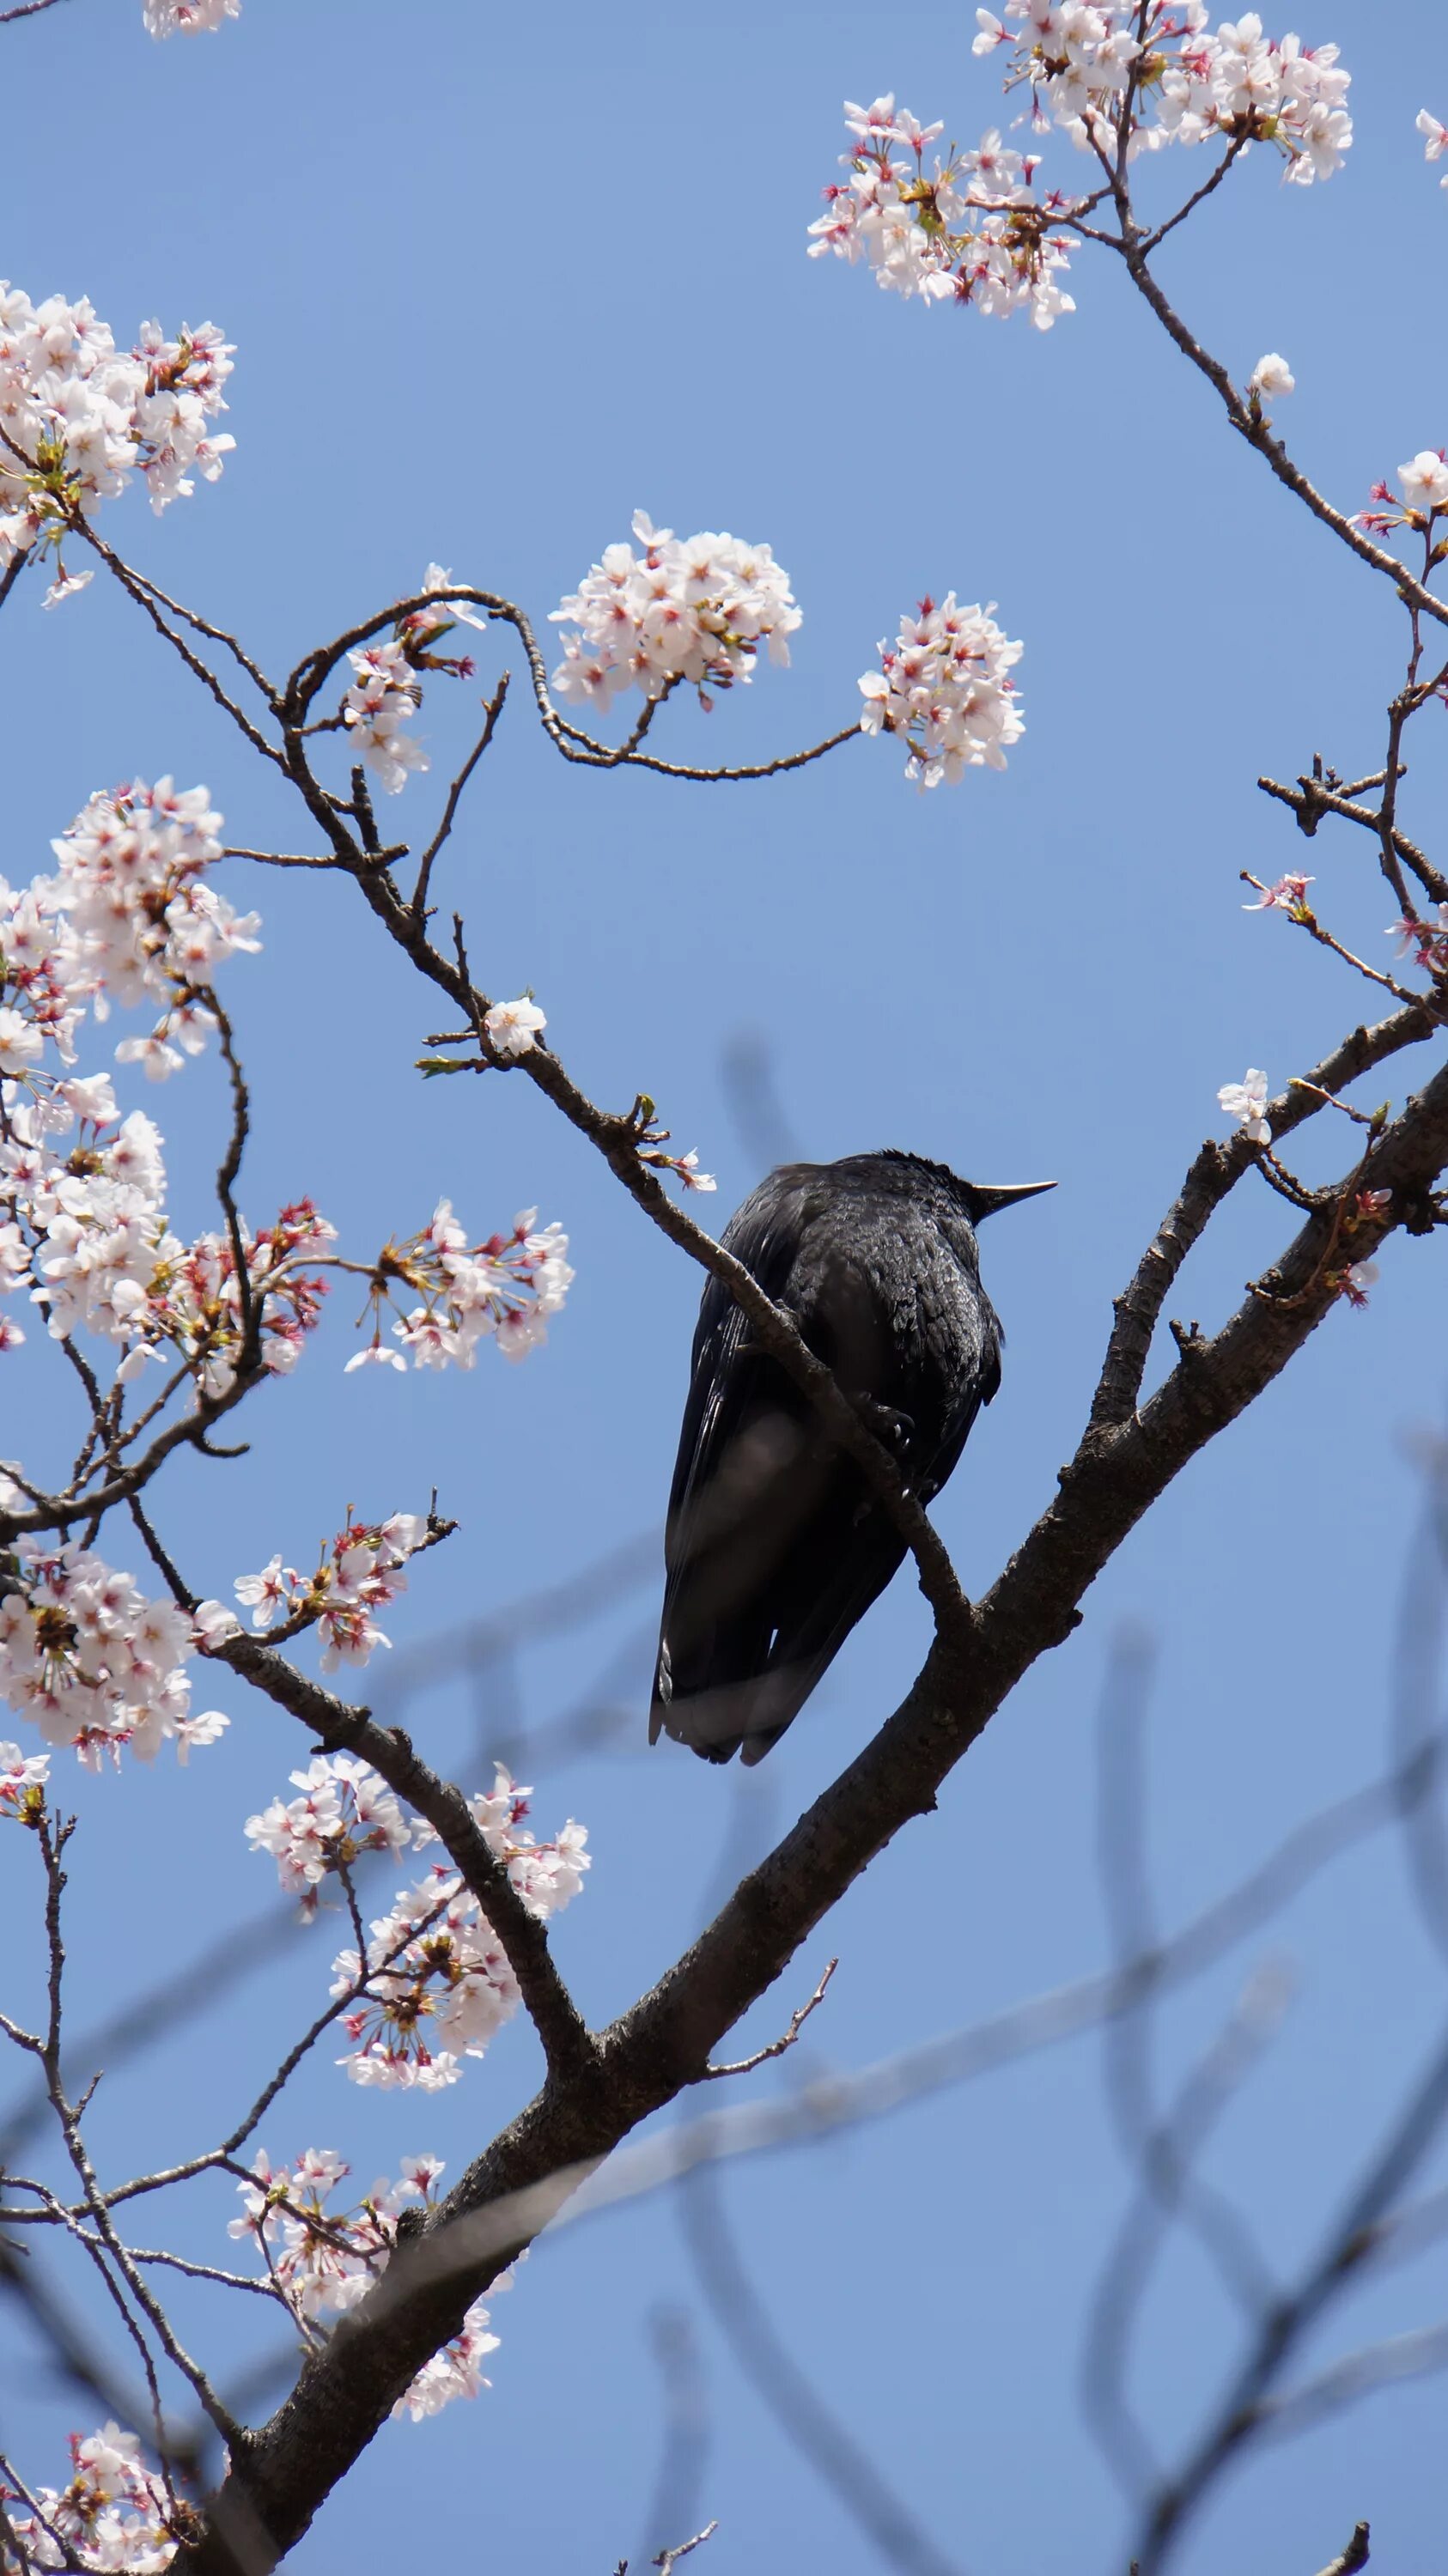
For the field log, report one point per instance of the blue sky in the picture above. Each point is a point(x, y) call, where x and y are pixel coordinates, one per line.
point(496, 281)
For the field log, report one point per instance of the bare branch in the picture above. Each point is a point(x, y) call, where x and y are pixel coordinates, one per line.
point(1356, 2554)
point(776, 2047)
point(140, 592)
point(668, 2559)
point(1311, 798)
point(1258, 433)
point(494, 706)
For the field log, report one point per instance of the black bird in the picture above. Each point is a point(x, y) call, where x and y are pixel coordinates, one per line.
point(775, 1546)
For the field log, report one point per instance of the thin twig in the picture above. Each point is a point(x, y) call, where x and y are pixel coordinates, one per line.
point(777, 2047)
point(1356, 2554)
point(494, 706)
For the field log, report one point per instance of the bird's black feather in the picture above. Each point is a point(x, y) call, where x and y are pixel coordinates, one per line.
point(775, 1547)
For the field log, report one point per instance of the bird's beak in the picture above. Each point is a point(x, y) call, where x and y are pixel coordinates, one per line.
point(1004, 1194)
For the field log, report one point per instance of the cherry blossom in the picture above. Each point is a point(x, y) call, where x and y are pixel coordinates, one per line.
point(361, 1573)
point(1423, 481)
point(504, 1289)
point(324, 2259)
point(1289, 894)
point(187, 17)
point(513, 1026)
point(971, 231)
point(436, 1984)
point(345, 1808)
point(1271, 377)
point(426, 626)
point(1357, 1279)
point(90, 1661)
point(129, 917)
point(114, 2515)
point(22, 1781)
point(79, 418)
point(945, 689)
point(1435, 139)
point(695, 609)
point(383, 695)
point(454, 2371)
point(685, 1167)
point(1426, 940)
point(1245, 1101)
point(1083, 64)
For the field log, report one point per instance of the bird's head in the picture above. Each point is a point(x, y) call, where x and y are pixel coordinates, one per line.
point(976, 1198)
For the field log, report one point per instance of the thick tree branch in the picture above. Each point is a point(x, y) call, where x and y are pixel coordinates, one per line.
point(664, 2042)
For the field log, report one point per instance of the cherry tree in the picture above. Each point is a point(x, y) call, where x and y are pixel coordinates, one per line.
point(1126, 121)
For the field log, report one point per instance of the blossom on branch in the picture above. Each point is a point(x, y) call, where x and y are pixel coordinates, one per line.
point(971, 231)
point(1245, 1101)
point(115, 2515)
point(1425, 939)
point(436, 1979)
point(504, 1289)
point(1084, 64)
point(383, 695)
point(22, 1781)
point(1423, 481)
point(90, 1661)
point(361, 1573)
point(694, 609)
point(513, 1026)
point(323, 2260)
point(79, 418)
point(1289, 895)
point(1271, 378)
point(945, 690)
point(345, 1808)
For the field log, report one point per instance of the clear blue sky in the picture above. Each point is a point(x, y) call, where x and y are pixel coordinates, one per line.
point(496, 279)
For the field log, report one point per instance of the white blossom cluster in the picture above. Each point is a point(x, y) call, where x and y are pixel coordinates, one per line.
point(83, 1225)
point(345, 1808)
point(971, 231)
point(437, 1980)
point(79, 418)
point(1435, 139)
point(187, 17)
point(114, 2516)
point(694, 609)
point(434, 1970)
point(324, 2260)
point(1080, 57)
point(128, 917)
point(945, 689)
point(382, 696)
point(386, 687)
point(504, 1289)
point(133, 893)
point(361, 1572)
point(90, 1661)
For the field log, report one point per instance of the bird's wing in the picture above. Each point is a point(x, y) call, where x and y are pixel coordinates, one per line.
point(740, 1429)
